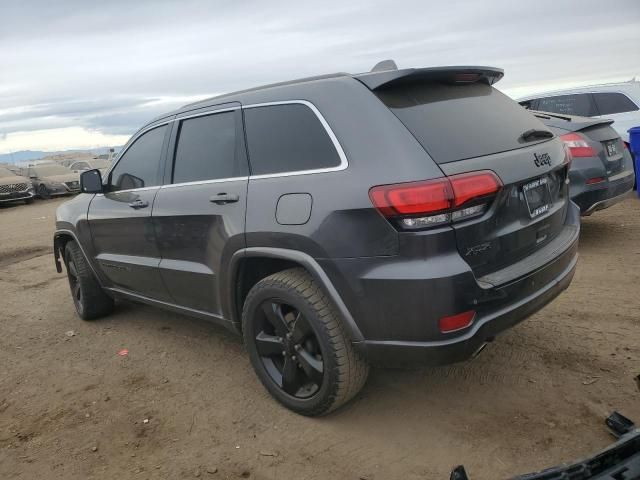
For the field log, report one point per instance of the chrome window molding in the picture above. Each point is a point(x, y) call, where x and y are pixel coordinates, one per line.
point(344, 163)
point(205, 182)
point(129, 190)
point(202, 114)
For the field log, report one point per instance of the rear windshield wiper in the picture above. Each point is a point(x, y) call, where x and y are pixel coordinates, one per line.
point(534, 134)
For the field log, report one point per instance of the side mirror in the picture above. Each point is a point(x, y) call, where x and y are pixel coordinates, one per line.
point(91, 181)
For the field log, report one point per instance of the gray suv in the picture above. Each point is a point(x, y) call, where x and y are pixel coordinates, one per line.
point(393, 218)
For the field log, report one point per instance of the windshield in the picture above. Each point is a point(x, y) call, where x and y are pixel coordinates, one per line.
point(454, 122)
point(5, 172)
point(50, 170)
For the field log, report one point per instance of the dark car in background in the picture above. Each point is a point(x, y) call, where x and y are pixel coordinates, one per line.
point(601, 171)
point(51, 179)
point(396, 217)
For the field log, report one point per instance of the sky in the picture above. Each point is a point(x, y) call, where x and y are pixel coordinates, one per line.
point(81, 74)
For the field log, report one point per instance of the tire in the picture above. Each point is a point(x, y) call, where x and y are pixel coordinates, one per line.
point(28, 201)
point(43, 192)
point(88, 297)
point(318, 369)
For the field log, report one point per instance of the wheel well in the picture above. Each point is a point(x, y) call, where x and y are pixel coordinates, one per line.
point(250, 271)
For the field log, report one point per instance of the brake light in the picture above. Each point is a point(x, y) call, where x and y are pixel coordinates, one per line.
point(578, 146)
point(417, 205)
point(456, 322)
point(625, 145)
point(466, 77)
point(595, 180)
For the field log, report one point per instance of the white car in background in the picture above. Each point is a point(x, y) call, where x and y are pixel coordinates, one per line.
point(82, 165)
point(617, 101)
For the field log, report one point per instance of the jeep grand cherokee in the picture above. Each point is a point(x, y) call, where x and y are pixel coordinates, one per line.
point(396, 217)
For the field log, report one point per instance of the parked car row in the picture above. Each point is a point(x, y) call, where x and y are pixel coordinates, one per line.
point(46, 178)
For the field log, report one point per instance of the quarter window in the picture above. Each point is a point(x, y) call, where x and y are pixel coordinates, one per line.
point(140, 165)
point(574, 104)
point(207, 149)
point(287, 138)
point(612, 102)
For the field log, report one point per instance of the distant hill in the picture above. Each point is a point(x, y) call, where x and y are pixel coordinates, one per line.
point(25, 155)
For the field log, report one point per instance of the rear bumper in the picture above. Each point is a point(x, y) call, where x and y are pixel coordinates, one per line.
point(484, 330)
point(591, 198)
point(620, 460)
point(405, 299)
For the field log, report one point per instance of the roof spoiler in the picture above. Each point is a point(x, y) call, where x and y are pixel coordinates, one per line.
point(378, 78)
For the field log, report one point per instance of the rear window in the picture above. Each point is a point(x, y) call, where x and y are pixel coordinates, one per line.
point(455, 122)
point(287, 138)
point(612, 102)
point(573, 104)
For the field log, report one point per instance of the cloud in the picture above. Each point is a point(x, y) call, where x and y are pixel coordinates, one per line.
point(110, 66)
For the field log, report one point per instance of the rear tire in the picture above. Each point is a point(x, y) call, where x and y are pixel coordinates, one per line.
point(298, 345)
point(89, 299)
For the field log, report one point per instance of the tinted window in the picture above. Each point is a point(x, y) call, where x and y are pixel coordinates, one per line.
point(287, 138)
point(454, 122)
point(140, 165)
point(207, 149)
point(574, 104)
point(611, 102)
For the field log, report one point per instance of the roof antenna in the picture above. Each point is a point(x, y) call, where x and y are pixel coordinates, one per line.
point(384, 65)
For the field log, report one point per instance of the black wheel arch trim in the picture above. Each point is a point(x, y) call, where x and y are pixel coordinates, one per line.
point(58, 247)
point(304, 260)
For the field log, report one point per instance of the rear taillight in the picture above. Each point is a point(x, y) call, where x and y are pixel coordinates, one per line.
point(625, 145)
point(429, 203)
point(578, 145)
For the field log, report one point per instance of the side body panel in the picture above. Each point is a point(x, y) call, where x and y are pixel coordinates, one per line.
point(196, 232)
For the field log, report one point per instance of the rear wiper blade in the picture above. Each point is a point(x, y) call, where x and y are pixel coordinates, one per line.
point(534, 134)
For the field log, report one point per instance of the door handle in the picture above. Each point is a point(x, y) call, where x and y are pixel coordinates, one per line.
point(224, 198)
point(139, 204)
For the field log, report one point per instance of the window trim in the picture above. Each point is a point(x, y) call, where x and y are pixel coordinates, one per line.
point(344, 163)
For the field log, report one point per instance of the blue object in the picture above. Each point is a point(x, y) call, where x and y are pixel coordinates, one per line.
point(634, 143)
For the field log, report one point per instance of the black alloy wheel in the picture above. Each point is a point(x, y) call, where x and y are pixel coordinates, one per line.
point(288, 349)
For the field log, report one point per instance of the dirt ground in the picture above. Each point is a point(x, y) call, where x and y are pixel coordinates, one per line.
point(185, 403)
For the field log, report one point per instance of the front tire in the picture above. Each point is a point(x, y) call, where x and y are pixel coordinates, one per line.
point(88, 297)
point(298, 345)
point(43, 192)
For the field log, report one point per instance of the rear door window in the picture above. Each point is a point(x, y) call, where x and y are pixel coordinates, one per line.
point(573, 104)
point(287, 138)
point(140, 165)
point(612, 102)
point(207, 149)
point(455, 122)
